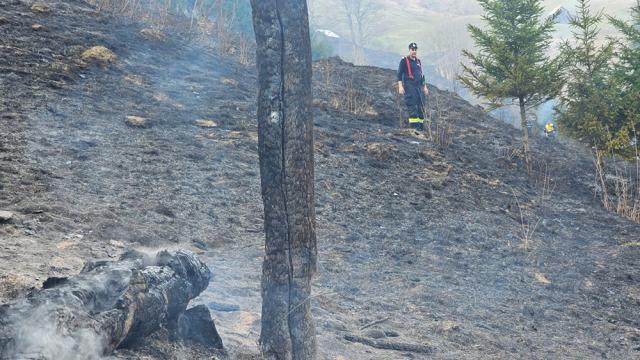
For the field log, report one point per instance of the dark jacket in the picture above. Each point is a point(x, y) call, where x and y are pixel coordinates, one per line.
point(416, 71)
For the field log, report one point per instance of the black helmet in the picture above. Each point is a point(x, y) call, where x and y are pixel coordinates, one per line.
point(413, 46)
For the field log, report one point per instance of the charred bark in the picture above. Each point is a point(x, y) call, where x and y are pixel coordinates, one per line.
point(107, 305)
point(525, 134)
point(285, 139)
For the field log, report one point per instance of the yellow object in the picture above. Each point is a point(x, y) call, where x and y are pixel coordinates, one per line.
point(549, 127)
point(415, 120)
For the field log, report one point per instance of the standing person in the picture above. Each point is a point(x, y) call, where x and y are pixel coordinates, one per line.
point(412, 85)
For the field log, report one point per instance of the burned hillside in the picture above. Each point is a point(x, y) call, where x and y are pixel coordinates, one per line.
point(435, 242)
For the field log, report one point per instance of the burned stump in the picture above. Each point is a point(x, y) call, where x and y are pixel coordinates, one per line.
point(107, 305)
point(196, 325)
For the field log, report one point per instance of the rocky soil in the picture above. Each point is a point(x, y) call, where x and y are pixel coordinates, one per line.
point(437, 245)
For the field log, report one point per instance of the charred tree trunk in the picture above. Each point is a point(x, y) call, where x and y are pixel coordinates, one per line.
point(285, 138)
point(108, 304)
point(525, 135)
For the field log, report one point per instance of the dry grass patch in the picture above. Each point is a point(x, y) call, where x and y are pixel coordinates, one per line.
point(152, 34)
point(508, 156)
point(135, 79)
point(634, 293)
point(161, 97)
point(60, 67)
point(429, 155)
point(437, 175)
point(11, 285)
point(381, 151)
point(541, 278)
point(65, 244)
point(65, 263)
point(414, 133)
point(99, 54)
point(136, 121)
point(449, 325)
point(206, 123)
point(632, 244)
point(40, 7)
point(164, 98)
point(493, 183)
point(117, 244)
point(351, 148)
point(57, 84)
point(230, 82)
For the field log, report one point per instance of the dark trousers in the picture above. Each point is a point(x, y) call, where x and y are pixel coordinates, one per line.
point(414, 99)
point(417, 125)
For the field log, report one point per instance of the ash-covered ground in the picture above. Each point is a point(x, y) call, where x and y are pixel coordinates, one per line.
point(426, 241)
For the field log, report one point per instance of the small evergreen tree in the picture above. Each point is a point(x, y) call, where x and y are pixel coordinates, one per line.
point(627, 77)
point(512, 65)
point(587, 110)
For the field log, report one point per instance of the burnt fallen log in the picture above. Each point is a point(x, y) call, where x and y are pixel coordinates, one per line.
point(390, 345)
point(107, 305)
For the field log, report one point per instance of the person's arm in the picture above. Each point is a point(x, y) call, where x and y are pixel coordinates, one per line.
point(399, 77)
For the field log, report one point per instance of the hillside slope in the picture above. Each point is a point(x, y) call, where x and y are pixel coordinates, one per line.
point(435, 242)
point(439, 27)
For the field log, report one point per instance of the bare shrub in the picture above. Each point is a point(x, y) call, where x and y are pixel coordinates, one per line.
point(438, 123)
point(244, 47)
point(324, 88)
point(618, 184)
point(626, 190)
point(353, 100)
point(444, 134)
point(509, 153)
point(205, 21)
point(528, 217)
point(529, 222)
point(153, 12)
point(399, 106)
point(543, 180)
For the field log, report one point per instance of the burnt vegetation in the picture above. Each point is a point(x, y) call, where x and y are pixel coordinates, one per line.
point(429, 244)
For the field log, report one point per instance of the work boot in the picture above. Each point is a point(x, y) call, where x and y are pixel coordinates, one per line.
point(417, 126)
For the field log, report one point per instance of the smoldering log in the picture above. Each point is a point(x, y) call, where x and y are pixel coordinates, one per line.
point(107, 305)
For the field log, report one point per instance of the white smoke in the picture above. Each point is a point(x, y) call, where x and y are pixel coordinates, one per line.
point(45, 342)
point(38, 336)
point(48, 327)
